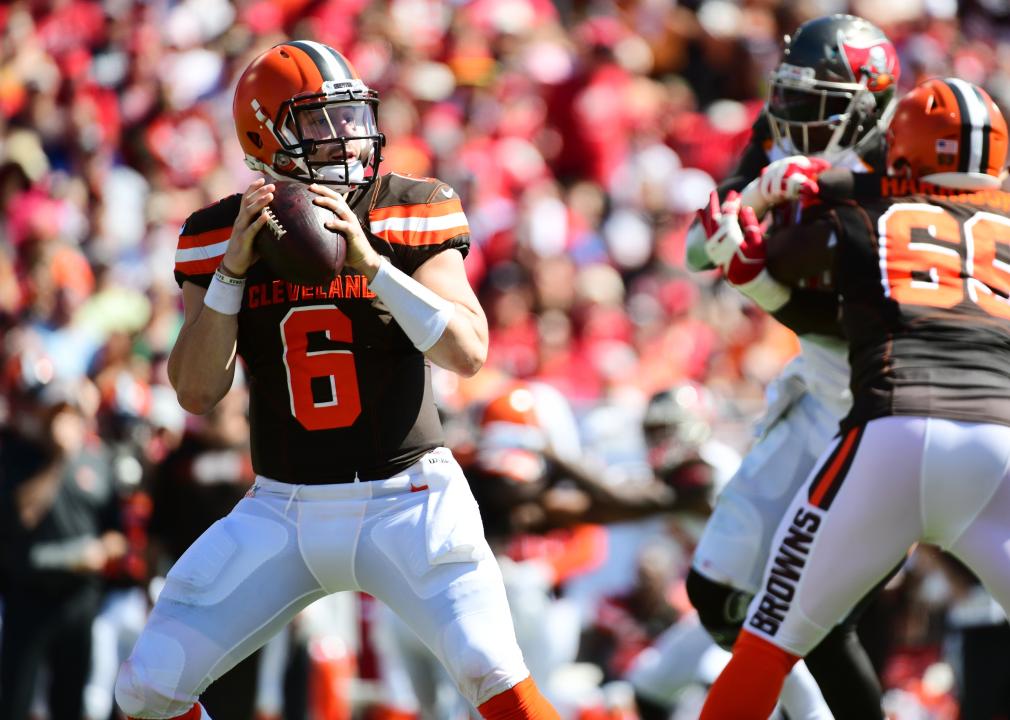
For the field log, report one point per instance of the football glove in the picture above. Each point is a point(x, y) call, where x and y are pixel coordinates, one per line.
point(782, 180)
point(746, 270)
point(736, 243)
point(720, 221)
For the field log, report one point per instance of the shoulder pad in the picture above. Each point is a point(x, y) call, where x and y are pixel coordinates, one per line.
point(397, 189)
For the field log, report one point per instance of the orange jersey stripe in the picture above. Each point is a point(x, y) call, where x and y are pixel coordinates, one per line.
point(199, 267)
point(209, 237)
point(419, 225)
point(420, 239)
point(831, 473)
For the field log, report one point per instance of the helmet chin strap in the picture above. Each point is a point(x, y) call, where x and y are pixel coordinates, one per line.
point(334, 174)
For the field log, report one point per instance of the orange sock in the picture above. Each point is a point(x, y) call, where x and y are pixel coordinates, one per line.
point(522, 702)
point(749, 686)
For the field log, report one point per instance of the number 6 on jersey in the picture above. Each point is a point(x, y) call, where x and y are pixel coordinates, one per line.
point(336, 366)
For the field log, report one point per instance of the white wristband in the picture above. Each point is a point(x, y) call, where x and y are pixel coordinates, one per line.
point(422, 314)
point(224, 295)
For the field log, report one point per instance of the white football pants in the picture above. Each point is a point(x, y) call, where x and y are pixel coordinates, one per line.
point(734, 546)
point(878, 490)
point(414, 541)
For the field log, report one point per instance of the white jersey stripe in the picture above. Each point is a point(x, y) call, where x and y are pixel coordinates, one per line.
point(419, 224)
point(201, 253)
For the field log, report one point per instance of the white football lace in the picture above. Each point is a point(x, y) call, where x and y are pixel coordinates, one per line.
point(274, 223)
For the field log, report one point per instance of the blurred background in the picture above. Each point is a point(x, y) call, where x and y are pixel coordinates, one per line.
point(582, 136)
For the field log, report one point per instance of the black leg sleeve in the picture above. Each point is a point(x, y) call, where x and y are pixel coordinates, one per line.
point(721, 608)
point(845, 675)
point(986, 658)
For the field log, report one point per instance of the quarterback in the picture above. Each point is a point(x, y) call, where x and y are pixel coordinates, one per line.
point(354, 489)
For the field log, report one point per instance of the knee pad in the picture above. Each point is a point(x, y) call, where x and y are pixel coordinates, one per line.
point(721, 608)
point(148, 683)
point(483, 660)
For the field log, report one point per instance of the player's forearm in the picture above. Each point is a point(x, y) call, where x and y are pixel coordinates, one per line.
point(614, 503)
point(59, 554)
point(435, 308)
point(463, 346)
point(696, 259)
point(201, 366)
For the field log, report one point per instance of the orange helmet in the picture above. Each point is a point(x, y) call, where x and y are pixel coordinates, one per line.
point(511, 437)
point(517, 406)
point(301, 112)
point(948, 126)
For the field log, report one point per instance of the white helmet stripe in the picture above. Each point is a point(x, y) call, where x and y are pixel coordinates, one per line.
point(978, 117)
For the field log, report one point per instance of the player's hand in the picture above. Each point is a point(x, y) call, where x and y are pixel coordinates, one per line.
point(785, 179)
point(746, 270)
point(241, 253)
point(115, 544)
point(720, 221)
point(749, 259)
point(92, 557)
point(361, 256)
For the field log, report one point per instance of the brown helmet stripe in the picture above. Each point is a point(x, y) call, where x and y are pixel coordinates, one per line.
point(964, 145)
point(975, 126)
point(986, 131)
point(312, 63)
point(330, 63)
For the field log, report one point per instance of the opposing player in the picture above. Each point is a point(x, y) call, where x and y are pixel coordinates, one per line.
point(354, 490)
point(830, 97)
point(924, 453)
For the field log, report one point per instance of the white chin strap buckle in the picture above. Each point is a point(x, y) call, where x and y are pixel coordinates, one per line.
point(335, 173)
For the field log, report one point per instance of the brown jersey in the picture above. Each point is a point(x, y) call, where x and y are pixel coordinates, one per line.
point(336, 387)
point(812, 308)
point(925, 283)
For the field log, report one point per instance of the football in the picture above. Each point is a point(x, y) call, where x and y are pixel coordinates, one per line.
point(295, 241)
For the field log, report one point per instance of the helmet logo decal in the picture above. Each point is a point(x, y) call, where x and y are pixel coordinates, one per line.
point(946, 151)
point(878, 63)
point(332, 87)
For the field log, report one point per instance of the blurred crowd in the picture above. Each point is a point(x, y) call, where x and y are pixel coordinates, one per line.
point(581, 136)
